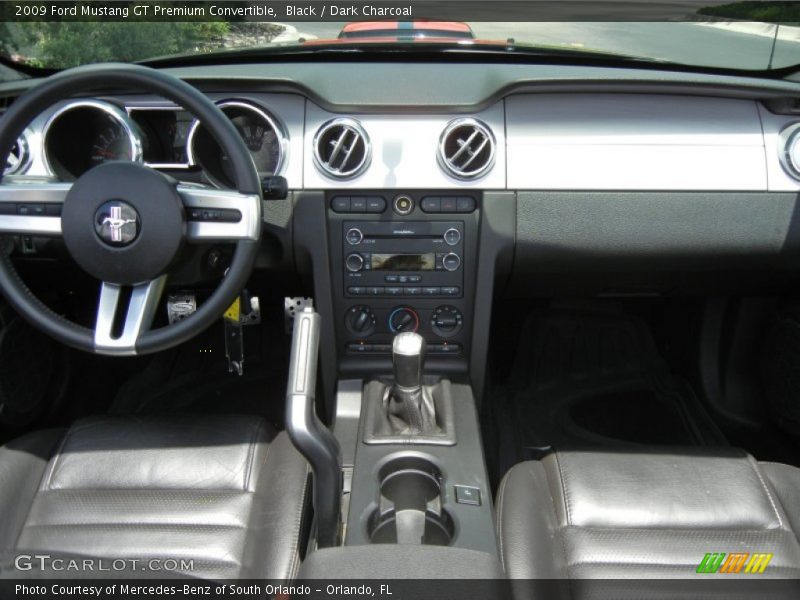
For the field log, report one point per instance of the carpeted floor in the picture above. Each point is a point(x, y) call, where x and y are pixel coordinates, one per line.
point(588, 378)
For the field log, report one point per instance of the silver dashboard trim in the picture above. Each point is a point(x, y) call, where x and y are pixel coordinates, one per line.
point(404, 148)
point(683, 143)
point(629, 142)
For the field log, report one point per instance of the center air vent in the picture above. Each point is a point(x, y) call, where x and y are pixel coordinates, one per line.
point(341, 148)
point(466, 148)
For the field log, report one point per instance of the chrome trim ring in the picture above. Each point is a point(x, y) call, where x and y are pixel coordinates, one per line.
point(115, 112)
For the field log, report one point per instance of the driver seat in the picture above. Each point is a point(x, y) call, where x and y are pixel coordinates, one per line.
point(227, 493)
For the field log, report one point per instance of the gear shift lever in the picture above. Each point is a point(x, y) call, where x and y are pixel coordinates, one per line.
point(408, 355)
point(406, 410)
point(407, 406)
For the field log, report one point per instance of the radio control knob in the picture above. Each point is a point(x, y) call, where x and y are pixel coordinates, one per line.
point(451, 262)
point(354, 262)
point(354, 236)
point(452, 236)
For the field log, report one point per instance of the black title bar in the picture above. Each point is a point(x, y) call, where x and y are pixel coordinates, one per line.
point(358, 10)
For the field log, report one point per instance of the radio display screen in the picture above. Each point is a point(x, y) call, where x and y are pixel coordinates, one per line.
point(403, 262)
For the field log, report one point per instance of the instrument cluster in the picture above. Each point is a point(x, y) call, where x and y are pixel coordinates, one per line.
point(81, 134)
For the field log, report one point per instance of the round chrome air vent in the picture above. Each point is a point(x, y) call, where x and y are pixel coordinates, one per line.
point(19, 159)
point(789, 150)
point(466, 148)
point(341, 149)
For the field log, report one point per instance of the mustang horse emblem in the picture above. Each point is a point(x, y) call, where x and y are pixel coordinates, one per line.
point(117, 223)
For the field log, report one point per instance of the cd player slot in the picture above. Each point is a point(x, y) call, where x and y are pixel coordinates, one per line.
point(401, 237)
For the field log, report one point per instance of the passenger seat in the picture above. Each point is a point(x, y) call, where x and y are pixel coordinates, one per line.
point(648, 515)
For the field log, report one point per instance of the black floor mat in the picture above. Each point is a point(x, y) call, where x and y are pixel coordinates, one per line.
point(588, 378)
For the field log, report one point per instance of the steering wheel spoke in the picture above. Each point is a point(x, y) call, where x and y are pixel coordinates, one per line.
point(32, 208)
point(220, 215)
point(124, 314)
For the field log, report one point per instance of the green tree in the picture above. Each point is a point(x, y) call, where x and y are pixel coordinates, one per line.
point(65, 44)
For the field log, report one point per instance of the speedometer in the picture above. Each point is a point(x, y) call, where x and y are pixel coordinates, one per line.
point(260, 132)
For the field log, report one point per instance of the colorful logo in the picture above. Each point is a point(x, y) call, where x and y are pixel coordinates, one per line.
point(734, 562)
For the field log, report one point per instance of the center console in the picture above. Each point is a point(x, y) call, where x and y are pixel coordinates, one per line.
point(403, 324)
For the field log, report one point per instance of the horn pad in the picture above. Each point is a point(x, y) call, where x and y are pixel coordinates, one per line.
point(123, 222)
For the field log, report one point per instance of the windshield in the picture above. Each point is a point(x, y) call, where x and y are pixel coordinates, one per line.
point(716, 37)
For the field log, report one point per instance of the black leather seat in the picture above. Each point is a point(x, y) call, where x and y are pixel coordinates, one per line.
point(646, 515)
point(225, 492)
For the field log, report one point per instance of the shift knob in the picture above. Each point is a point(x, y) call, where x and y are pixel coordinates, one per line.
point(408, 356)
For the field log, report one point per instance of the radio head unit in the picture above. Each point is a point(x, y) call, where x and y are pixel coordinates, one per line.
point(409, 258)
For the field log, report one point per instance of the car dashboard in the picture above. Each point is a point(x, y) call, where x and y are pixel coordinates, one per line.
point(419, 192)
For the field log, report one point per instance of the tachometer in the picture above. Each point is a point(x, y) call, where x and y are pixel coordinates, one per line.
point(85, 133)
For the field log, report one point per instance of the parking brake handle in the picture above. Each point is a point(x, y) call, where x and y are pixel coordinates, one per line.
point(311, 438)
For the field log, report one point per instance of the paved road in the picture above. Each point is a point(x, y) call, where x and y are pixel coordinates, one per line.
point(685, 42)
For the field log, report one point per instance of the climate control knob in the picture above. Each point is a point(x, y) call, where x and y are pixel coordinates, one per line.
point(360, 321)
point(354, 262)
point(403, 318)
point(446, 321)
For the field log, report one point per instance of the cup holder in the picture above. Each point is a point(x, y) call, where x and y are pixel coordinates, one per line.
point(410, 507)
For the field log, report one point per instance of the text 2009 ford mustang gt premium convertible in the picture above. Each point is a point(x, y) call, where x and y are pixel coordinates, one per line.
point(523, 312)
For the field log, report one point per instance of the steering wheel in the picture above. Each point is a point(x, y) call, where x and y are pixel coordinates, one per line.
point(124, 223)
